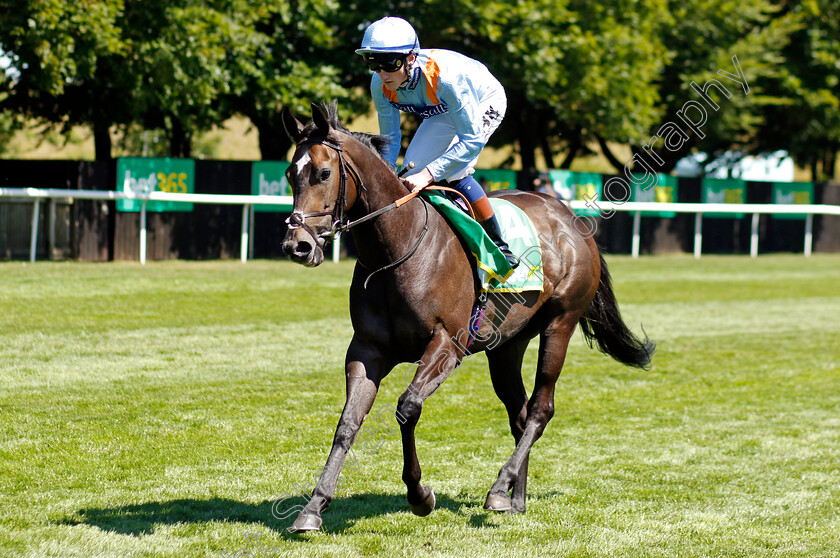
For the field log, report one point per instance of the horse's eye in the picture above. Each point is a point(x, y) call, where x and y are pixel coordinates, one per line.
point(325, 174)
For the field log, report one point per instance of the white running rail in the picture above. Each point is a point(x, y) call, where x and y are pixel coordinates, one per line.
point(248, 201)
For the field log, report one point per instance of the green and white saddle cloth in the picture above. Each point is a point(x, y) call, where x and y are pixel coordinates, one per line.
point(494, 272)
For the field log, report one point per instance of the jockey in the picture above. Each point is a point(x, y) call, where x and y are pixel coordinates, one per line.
point(459, 100)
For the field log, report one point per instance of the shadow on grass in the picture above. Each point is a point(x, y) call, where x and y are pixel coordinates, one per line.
point(141, 519)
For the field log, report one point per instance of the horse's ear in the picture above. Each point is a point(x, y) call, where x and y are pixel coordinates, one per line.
point(320, 118)
point(293, 126)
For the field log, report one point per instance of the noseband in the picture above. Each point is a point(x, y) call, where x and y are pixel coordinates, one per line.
point(340, 223)
point(338, 213)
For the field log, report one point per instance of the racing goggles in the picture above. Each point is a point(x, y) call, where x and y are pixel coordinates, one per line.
point(384, 61)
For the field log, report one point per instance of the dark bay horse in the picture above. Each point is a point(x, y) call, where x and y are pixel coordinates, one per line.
point(418, 308)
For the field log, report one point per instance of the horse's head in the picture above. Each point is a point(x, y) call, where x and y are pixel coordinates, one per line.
point(318, 175)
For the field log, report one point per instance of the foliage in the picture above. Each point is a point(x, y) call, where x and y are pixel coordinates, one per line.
point(592, 64)
point(63, 55)
point(576, 72)
point(289, 69)
point(177, 66)
point(8, 127)
point(703, 38)
point(808, 124)
point(181, 57)
point(571, 70)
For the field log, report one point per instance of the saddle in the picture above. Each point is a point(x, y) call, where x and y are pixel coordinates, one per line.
point(493, 272)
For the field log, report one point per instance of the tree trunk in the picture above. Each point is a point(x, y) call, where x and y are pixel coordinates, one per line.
point(274, 142)
point(670, 158)
point(619, 166)
point(575, 143)
point(180, 141)
point(546, 151)
point(527, 143)
point(830, 160)
point(101, 141)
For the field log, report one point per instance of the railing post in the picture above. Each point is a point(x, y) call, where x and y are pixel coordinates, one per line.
point(33, 239)
point(698, 234)
point(243, 245)
point(336, 247)
point(51, 229)
point(809, 234)
point(143, 233)
point(251, 219)
point(754, 236)
point(637, 226)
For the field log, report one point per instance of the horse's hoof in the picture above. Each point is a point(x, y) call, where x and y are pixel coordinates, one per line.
point(425, 507)
point(305, 523)
point(497, 502)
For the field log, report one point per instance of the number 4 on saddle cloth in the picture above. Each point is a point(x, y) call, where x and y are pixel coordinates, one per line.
point(494, 272)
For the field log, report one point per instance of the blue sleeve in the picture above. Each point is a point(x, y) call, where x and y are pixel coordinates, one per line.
point(389, 120)
point(463, 103)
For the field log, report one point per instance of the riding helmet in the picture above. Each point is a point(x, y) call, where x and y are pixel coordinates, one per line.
point(390, 34)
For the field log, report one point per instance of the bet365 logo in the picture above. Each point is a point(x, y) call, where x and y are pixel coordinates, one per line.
point(174, 182)
point(273, 187)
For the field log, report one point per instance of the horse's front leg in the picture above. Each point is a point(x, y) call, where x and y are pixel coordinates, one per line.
point(439, 359)
point(364, 369)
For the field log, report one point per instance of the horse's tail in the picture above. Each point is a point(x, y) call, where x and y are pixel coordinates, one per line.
point(602, 323)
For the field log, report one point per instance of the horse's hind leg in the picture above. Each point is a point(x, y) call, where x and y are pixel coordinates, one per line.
point(506, 372)
point(554, 342)
point(439, 359)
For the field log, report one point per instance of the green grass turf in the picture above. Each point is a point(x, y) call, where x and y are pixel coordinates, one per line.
point(161, 410)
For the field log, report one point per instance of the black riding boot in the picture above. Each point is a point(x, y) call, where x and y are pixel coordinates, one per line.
point(491, 226)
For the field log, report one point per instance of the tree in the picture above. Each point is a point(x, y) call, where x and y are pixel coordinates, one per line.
point(299, 60)
point(744, 38)
point(116, 62)
point(55, 49)
point(8, 123)
point(605, 71)
point(180, 66)
point(573, 70)
point(576, 72)
point(807, 124)
point(186, 58)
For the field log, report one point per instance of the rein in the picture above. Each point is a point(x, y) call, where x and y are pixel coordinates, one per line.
point(339, 219)
point(341, 224)
point(407, 255)
point(404, 199)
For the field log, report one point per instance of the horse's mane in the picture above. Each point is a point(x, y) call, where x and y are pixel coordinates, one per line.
point(376, 143)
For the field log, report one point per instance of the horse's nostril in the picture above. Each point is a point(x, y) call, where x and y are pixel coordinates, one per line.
point(303, 248)
point(299, 248)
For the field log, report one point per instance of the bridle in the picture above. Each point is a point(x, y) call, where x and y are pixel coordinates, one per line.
point(338, 214)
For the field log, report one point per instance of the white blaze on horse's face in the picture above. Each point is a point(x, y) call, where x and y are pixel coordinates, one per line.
point(305, 242)
point(302, 162)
